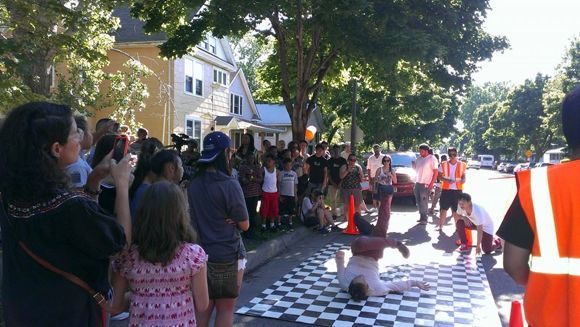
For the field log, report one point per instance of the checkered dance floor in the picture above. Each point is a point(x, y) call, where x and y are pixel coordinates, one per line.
point(310, 294)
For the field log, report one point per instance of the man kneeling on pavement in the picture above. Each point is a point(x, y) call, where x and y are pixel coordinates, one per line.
point(473, 216)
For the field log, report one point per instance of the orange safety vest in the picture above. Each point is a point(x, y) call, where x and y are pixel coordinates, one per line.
point(459, 172)
point(550, 200)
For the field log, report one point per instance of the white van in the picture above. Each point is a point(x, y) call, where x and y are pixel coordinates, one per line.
point(486, 160)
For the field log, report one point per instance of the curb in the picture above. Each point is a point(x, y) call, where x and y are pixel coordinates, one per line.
point(268, 250)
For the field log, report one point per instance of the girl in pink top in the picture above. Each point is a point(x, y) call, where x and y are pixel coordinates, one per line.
point(164, 269)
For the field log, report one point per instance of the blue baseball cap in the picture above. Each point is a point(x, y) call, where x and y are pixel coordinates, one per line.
point(214, 143)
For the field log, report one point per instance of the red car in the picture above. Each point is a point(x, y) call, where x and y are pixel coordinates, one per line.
point(403, 165)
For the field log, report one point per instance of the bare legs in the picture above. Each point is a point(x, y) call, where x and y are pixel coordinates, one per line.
point(224, 310)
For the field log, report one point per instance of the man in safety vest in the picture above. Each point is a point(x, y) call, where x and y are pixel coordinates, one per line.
point(452, 176)
point(541, 230)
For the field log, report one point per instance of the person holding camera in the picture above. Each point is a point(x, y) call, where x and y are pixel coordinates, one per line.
point(315, 213)
point(46, 225)
point(352, 175)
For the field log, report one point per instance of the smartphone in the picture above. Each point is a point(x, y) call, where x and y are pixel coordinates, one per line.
point(120, 147)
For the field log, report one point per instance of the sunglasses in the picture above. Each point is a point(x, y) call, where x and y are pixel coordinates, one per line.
point(387, 160)
point(352, 160)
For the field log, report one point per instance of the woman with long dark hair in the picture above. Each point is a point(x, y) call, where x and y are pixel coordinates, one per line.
point(385, 178)
point(218, 212)
point(41, 217)
point(246, 149)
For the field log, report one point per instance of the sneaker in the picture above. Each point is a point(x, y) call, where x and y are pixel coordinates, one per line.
point(464, 248)
point(323, 230)
point(335, 228)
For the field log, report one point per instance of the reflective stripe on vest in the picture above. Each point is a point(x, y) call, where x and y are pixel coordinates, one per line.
point(549, 261)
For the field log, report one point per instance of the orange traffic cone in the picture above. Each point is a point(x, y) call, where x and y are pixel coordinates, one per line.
point(516, 319)
point(468, 236)
point(351, 228)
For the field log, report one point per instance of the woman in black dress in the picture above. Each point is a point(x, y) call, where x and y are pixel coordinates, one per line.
point(65, 228)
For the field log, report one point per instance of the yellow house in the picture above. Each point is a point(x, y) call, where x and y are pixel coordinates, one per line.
point(193, 95)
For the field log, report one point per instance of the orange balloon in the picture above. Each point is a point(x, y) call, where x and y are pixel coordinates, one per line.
point(309, 134)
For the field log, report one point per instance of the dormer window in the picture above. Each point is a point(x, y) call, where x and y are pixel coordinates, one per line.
point(209, 44)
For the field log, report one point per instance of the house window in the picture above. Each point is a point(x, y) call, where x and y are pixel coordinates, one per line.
point(209, 44)
point(193, 77)
point(237, 138)
point(193, 128)
point(236, 104)
point(220, 77)
point(269, 134)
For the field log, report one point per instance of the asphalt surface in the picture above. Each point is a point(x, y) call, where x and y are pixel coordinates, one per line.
point(493, 190)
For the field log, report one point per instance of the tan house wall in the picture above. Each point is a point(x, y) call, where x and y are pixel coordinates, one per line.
point(158, 115)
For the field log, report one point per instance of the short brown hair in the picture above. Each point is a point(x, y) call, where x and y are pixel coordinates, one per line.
point(358, 291)
point(162, 223)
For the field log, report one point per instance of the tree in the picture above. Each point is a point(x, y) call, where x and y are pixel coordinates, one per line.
point(520, 122)
point(251, 52)
point(312, 36)
point(478, 107)
point(72, 38)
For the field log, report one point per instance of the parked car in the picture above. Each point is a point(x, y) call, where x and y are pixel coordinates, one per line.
point(473, 164)
point(403, 166)
point(543, 164)
point(521, 166)
point(509, 167)
point(501, 166)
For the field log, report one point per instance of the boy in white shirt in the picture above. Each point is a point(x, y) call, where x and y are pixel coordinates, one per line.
point(288, 190)
point(473, 216)
point(361, 277)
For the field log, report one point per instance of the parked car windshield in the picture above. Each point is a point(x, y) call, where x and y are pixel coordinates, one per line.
point(402, 159)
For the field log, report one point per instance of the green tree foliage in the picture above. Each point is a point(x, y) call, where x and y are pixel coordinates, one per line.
point(73, 39)
point(313, 36)
point(477, 108)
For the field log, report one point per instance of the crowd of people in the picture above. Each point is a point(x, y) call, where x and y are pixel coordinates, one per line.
point(76, 221)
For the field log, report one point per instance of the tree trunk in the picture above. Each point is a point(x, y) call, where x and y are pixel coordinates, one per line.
point(298, 122)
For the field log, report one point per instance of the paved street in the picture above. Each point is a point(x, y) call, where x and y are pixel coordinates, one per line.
point(488, 188)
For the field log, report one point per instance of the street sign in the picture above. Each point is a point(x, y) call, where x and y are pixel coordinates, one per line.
point(529, 153)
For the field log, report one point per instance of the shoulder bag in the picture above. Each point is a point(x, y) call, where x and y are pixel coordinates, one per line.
point(97, 296)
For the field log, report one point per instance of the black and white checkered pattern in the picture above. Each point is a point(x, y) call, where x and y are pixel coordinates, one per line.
point(459, 296)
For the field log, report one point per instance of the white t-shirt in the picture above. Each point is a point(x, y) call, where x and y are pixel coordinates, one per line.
point(424, 168)
point(288, 182)
point(306, 206)
point(373, 163)
point(480, 217)
point(270, 184)
point(369, 268)
point(452, 170)
point(79, 172)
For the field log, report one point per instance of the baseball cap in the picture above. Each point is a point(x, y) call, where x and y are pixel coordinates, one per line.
point(214, 143)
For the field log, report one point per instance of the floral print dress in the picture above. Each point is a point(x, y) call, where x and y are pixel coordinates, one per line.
point(161, 296)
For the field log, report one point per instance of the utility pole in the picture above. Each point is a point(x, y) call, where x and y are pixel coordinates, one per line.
point(353, 120)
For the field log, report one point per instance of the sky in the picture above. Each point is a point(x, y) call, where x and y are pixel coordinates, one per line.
point(538, 31)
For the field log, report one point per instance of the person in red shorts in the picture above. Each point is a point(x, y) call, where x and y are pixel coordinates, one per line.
point(270, 196)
